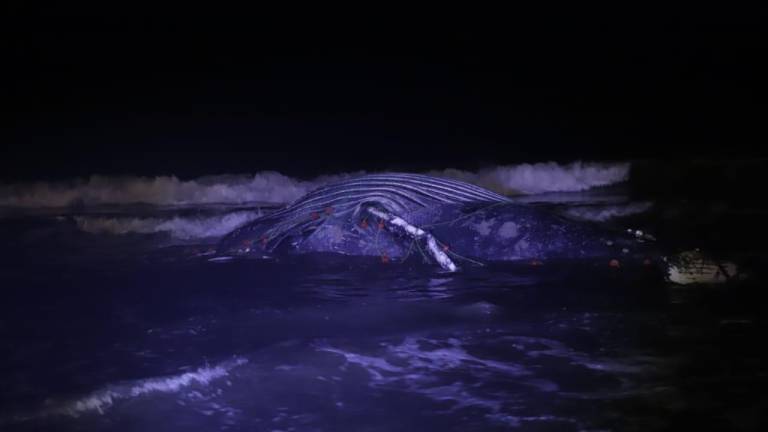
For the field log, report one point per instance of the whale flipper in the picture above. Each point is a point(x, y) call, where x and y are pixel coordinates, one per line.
point(431, 245)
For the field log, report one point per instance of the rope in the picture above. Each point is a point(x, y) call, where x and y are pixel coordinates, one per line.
point(468, 215)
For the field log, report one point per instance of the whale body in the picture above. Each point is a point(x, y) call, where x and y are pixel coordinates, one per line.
point(396, 216)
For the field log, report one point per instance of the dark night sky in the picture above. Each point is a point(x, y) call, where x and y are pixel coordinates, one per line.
point(201, 92)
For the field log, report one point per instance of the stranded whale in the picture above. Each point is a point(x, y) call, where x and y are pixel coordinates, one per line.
point(448, 222)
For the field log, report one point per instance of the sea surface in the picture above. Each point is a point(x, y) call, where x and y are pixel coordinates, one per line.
point(117, 316)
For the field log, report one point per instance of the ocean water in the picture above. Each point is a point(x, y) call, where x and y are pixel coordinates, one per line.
point(117, 316)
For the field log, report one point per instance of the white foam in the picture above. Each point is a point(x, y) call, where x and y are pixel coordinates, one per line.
point(421, 365)
point(275, 188)
point(264, 187)
point(552, 348)
point(184, 228)
point(423, 362)
point(419, 370)
point(101, 400)
point(543, 177)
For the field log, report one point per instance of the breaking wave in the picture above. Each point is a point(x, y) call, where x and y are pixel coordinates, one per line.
point(264, 187)
point(543, 177)
point(183, 228)
point(275, 188)
point(100, 400)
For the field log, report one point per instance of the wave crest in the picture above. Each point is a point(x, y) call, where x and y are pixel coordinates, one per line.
point(543, 177)
point(275, 188)
point(183, 228)
point(264, 187)
point(101, 400)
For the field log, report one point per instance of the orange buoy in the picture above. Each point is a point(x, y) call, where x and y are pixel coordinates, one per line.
point(535, 263)
point(328, 210)
point(647, 262)
point(614, 263)
point(364, 224)
point(314, 215)
point(384, 258)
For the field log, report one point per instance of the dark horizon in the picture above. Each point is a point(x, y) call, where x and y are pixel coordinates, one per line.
point(141, 93)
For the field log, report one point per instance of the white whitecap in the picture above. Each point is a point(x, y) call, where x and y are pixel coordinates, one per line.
point(179, 227)
point(101, 400)
point(276, 188)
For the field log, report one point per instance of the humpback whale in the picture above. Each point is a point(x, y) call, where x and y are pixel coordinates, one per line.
point(448, 222)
